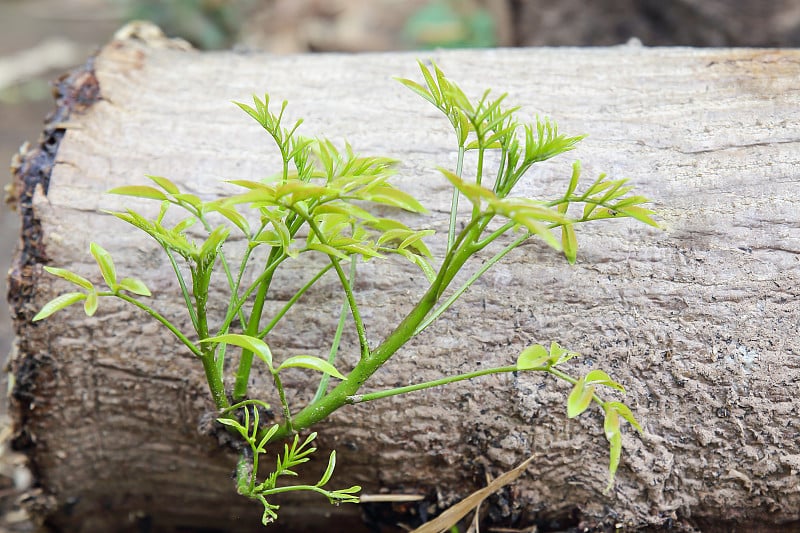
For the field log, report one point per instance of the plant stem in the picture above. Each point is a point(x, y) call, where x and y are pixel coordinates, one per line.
point(360, 398)
point(451, 233)
point(480, 272)
point(287, 415)
point(337, 337)
point(246, 359)
point(280, 314)
point(186, 296)
point(348, 289)
point(214, 378)
point(155, 314)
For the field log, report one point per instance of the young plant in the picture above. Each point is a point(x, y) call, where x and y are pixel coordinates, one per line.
point(319, 203)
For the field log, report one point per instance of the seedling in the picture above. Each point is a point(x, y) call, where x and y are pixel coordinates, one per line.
point(319, 203)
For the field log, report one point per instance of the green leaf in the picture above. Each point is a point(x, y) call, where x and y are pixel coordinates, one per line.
point(559, 355)
point(415, 241)
point(328, 471)
point(269, 434)
point(105, 263)
point(234, 216)
point(533, 357)
point(135, 286)
point(417, 88)
point(190, 199)
point(313, 363)
point(573, 181)
point(327, 249)
point(343, 208)
point(611, 423)
point(139, 191)
point(615, 453)
point(388, 195)
point(641, 214)
point(625, 412)
point(59, 303)
point(253, 344)
point(211, 247)
point(71, 277)
point(598, 377)
point(90, 305)
point(579, 399)
point(569, 241)
point(165, 184)
point(234, 424)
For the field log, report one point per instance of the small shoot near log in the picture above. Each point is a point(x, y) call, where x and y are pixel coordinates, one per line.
point(322, 202)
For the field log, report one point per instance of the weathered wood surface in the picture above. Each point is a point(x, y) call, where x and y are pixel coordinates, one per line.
point(699, 321)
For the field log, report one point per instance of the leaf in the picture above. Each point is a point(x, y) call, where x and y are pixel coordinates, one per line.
point(105, 263)
point(598, 377)
point(135, 286)
point(569, 242)
point(343, 208)
point(90, 305)
point(611, 423)
point(70, 276)
point(211, 247)
point(313, 363)
point(415, 241)
point(328, 471)
point(58, 303)
point(641, 214)
point(533, 357)
point(165, 184)
point(253, 344)
point(615, 452)
point(234, 216)
point(327, 249)
point(139, 191)
point(234, 424)
point(579, 399)
point(388, 195)
point(573, 181)
point(625, 412)
point(417, 88)
point(190, 199)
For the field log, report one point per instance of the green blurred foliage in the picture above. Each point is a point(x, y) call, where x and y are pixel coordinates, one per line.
point(207, 24)
point(451, 24)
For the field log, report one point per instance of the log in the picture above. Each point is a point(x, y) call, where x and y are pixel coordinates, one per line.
point(699, 320)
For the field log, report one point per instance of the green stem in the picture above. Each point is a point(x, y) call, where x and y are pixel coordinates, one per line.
point(456, 295)
point(246, 359)
point(155, 314)
point(323, 382)
point(476, 209)
point(232, 312)
point(451, 233)
point(360, 398)
point(287, 415)
point(186, 296)
point(285, 309)
point(348, 289)
point(214, 379)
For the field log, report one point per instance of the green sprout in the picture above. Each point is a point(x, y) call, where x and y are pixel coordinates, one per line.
point(322, 202)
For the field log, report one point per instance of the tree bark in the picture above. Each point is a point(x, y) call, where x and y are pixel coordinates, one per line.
point(699, 321)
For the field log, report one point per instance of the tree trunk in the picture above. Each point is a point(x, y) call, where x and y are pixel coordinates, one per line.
point(699, 321)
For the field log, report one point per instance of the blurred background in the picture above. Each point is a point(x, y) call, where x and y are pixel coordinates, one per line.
point(41, 39)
